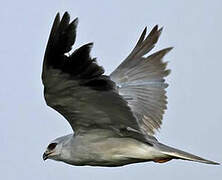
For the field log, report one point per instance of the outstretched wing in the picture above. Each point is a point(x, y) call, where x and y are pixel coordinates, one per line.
point(141, 82)
point(74, 85)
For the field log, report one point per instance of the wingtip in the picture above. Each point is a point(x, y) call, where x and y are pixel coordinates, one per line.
point(57, 17)
point(142, 37)
point(170, 48)
point(156, 27)
point(75, 22)
point(57, 14)
point(66, 17)
point(90, 45)
point(160, 30)
point(145, 30)
point(66, 13)
point(166, 50)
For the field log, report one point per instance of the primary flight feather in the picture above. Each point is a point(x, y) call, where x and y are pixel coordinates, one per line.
point(114, 117)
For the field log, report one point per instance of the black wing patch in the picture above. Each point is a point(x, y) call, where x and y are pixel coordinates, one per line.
point(79, 65)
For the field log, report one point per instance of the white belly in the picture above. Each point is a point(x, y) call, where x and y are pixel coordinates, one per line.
point(111, 151)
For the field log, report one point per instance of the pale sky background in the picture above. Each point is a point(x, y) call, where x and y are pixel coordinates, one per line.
point(193, 121)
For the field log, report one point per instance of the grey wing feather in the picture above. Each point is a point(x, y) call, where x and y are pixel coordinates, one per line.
point(75, 86)
point(141, 82)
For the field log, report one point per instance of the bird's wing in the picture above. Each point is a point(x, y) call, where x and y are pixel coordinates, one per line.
point(140, 80)
point(74, 85)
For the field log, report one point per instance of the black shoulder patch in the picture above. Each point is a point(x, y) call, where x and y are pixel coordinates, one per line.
point(79, 64)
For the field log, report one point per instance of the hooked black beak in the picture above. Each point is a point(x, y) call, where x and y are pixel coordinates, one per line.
point(45, 156)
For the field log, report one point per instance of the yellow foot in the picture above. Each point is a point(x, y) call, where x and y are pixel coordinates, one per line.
point(162, 160)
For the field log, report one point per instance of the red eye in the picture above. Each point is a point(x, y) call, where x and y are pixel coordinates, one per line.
point(52, 146)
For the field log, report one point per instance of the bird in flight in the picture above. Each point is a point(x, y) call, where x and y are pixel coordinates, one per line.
point(114, 118)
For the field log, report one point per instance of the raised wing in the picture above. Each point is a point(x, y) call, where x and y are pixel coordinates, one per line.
point(141, 82)
point(75, 86)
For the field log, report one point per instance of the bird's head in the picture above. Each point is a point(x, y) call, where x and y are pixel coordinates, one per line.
point(53, 151)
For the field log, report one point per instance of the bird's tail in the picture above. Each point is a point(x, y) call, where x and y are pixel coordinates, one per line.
point(173, 153)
